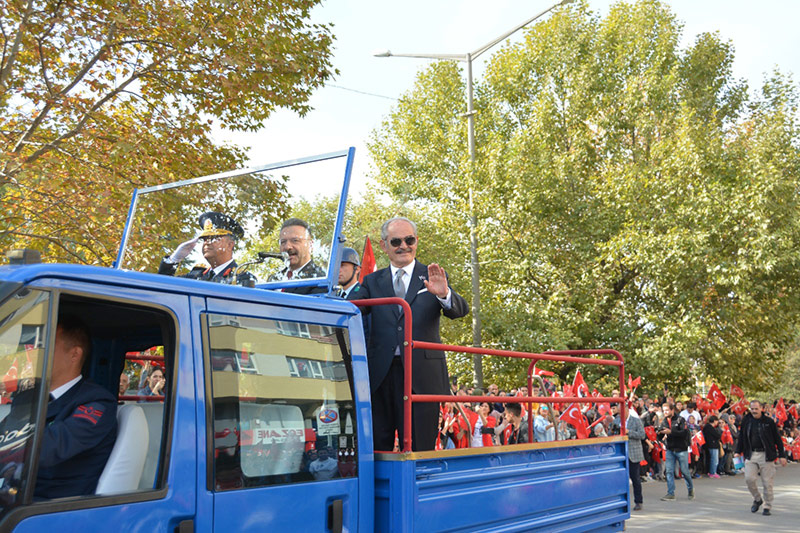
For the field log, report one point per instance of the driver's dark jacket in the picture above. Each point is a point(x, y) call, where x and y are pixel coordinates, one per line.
point(80, 432)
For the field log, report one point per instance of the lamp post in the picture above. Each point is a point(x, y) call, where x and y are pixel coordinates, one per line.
point(473, 220)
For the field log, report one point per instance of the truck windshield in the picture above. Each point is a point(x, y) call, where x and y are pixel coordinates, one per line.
point(250, 205)
point(23, 329)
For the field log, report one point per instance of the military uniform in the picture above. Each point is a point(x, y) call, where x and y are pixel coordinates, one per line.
point(213, 224)
point(80, 432)
point(206, 273)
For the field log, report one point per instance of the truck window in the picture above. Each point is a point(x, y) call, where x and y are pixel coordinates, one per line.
point(282, 402)
point(23, 329)
point(136, 341)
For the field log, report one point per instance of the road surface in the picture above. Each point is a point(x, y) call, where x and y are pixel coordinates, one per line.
point(720, 505)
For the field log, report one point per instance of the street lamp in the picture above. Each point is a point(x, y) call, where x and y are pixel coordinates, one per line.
point(473, 221)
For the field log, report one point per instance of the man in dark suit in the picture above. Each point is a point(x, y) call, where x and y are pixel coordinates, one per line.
point(219, 235)
point(427, 291)
point(81, 423)
point(295, 240)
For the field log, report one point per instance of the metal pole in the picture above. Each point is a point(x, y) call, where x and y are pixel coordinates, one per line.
point(473, 219)
point(477, 359)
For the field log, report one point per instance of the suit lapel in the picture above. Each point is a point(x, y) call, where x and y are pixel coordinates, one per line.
point(415, 283)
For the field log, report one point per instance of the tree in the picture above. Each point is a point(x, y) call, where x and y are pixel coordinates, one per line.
point(632, 195)
point(99, 97)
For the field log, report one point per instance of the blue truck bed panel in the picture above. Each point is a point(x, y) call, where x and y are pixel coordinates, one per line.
point(563, 486)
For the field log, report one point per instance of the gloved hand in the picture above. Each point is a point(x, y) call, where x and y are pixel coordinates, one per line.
point(183, 250)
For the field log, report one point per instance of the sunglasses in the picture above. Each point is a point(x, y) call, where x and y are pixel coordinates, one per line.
point(397, 241)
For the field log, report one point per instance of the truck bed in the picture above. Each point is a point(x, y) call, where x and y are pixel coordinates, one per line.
point(577, 485)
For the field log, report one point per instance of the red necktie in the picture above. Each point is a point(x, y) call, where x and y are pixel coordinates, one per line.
point(289, 275)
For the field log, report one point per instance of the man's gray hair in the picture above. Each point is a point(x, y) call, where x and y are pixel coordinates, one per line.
point(385, 227)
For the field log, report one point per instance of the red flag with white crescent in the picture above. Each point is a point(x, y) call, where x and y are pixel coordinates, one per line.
point(572, 415)
point(736, 391)
point(368, 265)
point(715, 395)
point(579, 386)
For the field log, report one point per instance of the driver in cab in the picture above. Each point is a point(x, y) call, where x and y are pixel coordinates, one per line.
point(81, 422)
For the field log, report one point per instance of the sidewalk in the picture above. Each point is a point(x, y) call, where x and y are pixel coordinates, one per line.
point(720, 505)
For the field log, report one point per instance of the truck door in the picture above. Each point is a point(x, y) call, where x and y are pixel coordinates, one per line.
point(282, 439)
point(139, 488)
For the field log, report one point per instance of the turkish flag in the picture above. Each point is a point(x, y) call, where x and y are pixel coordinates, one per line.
point(704, 405)
point(780, 412)
point(736, 391)
point(727, 438)
point(715, 395)
point(540, 372)
point(650, 431)
point(567, 390)
point(701, 440)
point(739, 407)
point(633, 383)
point(573, 416)
point(367, 261)
point(793, 411)
point(579, 386)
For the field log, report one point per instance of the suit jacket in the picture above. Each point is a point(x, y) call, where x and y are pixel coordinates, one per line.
point(80, 433)
point(309, 270)
point(206, 273)
point(429, 368)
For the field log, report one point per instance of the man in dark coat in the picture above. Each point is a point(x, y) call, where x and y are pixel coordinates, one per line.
point(219, 235)
point(427, 291)
point(81, 425)
point(760, 444)
point(296, 241)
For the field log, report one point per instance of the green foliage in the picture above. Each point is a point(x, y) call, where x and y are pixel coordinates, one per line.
point(98, 97)
point(631, 195)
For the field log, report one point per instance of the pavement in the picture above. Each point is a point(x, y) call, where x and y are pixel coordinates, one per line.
point(720, 505)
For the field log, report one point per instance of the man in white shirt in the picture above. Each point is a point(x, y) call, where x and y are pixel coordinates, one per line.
point(691, 415)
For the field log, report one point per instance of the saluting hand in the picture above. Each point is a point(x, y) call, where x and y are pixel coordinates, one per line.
point(437, 281)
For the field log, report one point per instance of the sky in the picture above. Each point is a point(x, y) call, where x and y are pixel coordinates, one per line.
point(355, 103)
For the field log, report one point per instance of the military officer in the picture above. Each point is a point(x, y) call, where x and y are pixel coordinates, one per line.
point(219, 235)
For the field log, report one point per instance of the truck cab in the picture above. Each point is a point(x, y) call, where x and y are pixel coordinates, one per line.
point(265, 419)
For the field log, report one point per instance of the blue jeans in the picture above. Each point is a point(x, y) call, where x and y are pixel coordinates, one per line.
point(713, 461)
point(682, 459)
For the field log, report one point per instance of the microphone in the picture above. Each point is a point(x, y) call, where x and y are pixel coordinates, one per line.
point(283, 256)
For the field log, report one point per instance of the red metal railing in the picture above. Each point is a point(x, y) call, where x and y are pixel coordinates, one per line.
point(568, 356)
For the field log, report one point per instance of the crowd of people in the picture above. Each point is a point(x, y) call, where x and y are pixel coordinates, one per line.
point(669, 438)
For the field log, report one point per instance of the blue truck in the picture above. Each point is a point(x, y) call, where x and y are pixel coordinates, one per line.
point(265, 421)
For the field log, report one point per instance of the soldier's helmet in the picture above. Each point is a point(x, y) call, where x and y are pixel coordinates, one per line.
point(350, 256)
point(215, 224)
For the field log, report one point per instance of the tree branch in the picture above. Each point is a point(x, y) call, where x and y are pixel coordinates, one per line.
point(5, 72)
